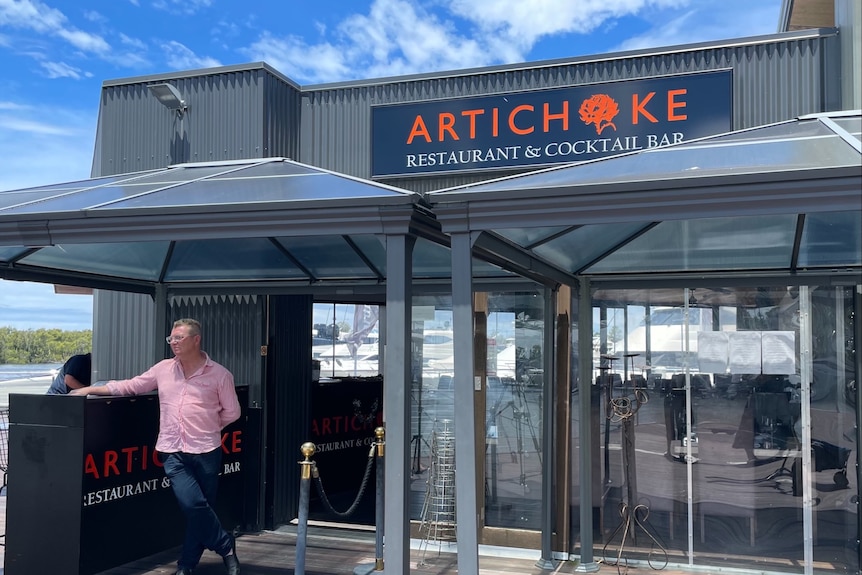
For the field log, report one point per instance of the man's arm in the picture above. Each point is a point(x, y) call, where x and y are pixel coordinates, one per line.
point(72, 382)
point(91, 390)
point(230, 408)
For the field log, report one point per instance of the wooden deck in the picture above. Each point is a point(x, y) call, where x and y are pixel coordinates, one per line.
point(336, 552)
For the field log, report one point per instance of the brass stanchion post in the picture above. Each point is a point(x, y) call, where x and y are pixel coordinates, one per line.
point(381, 442)
point(379, 445)
point(306, 466)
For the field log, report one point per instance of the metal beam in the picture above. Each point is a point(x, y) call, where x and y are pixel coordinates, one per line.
point(466, 514)
point(396, 402)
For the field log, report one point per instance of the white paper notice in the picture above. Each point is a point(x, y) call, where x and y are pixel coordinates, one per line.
point(712, 351)
point(779, 352)
point(744, 351)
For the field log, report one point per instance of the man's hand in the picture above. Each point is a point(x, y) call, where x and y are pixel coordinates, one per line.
point(92, 390)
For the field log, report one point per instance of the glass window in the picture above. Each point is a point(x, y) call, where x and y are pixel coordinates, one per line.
point(513, 400)
point(346, 340)
point(711, 388)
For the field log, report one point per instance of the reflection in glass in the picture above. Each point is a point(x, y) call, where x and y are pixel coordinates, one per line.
point(346, 340)
point(723, 412)
point(513, 424)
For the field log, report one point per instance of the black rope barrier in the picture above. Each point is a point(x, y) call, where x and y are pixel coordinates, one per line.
point(318, 482)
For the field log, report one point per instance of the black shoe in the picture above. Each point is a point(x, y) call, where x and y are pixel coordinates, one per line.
point(184, 571)
point(231, 563)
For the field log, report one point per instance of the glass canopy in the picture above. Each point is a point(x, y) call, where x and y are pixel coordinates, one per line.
point(682, 213)
point(664, 210)
point(215, 241)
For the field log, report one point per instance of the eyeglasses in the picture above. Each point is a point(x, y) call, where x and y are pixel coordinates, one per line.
point(175, 338)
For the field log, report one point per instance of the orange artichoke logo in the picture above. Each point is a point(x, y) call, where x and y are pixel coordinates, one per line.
point(599, 109)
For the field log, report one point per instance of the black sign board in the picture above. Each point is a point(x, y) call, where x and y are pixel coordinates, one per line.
point(87, 488)
point(551, 126)
point(345, 413)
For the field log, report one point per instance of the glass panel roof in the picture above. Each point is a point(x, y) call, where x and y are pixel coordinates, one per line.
point(796, 145)
point(84, 184)
point(142, 260)
point(85, 199)
point(230, 259)
point(269, 169)
point(710, 244)
point(578, 248)
point(529, 236)
point(327, 257)
point(372, 247)
point(431, 260)
point(831, 239)
point(852, 125)
point(194, 185)
point(16, 197)
point(9, 253)
point(249, 191)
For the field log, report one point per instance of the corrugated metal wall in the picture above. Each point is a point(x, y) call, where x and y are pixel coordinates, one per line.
point(123, 339)
point(237, 114)
point(778, 78)
point(233, 333)
point(124, 342)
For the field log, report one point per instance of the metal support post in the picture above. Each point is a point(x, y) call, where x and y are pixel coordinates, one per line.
point(377, 566)
point(306, 466)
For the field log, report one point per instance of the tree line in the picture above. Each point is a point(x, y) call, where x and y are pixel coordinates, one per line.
point(22, 347)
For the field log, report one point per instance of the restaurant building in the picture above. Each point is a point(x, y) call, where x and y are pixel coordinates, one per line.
point(623, 288)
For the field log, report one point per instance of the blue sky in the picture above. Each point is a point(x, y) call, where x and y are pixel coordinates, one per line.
point(56, 54)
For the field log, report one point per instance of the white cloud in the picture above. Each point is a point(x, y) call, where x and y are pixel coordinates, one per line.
point(62, 70)
point(514, 26)
point(94, 16)
point(292, 56)
point(85, 41)
point(181, 6)
point(13, 106)
point(36, 16)
point(132, 42)
point(707, 21)
point(31, 127)
point(408, 36)
point(179, 57)
point(395, 37)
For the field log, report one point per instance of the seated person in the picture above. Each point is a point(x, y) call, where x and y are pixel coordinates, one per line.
point(74, 374)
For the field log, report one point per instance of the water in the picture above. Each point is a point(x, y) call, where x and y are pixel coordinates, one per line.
point(10, 371)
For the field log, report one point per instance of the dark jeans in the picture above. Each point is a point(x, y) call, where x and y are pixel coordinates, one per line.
point(194, 479)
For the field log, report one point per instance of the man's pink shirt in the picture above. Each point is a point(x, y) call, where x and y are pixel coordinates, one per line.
point(193, 411)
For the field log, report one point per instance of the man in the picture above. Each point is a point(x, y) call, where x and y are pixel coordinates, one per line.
point(74, 374)
point(197, 399)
